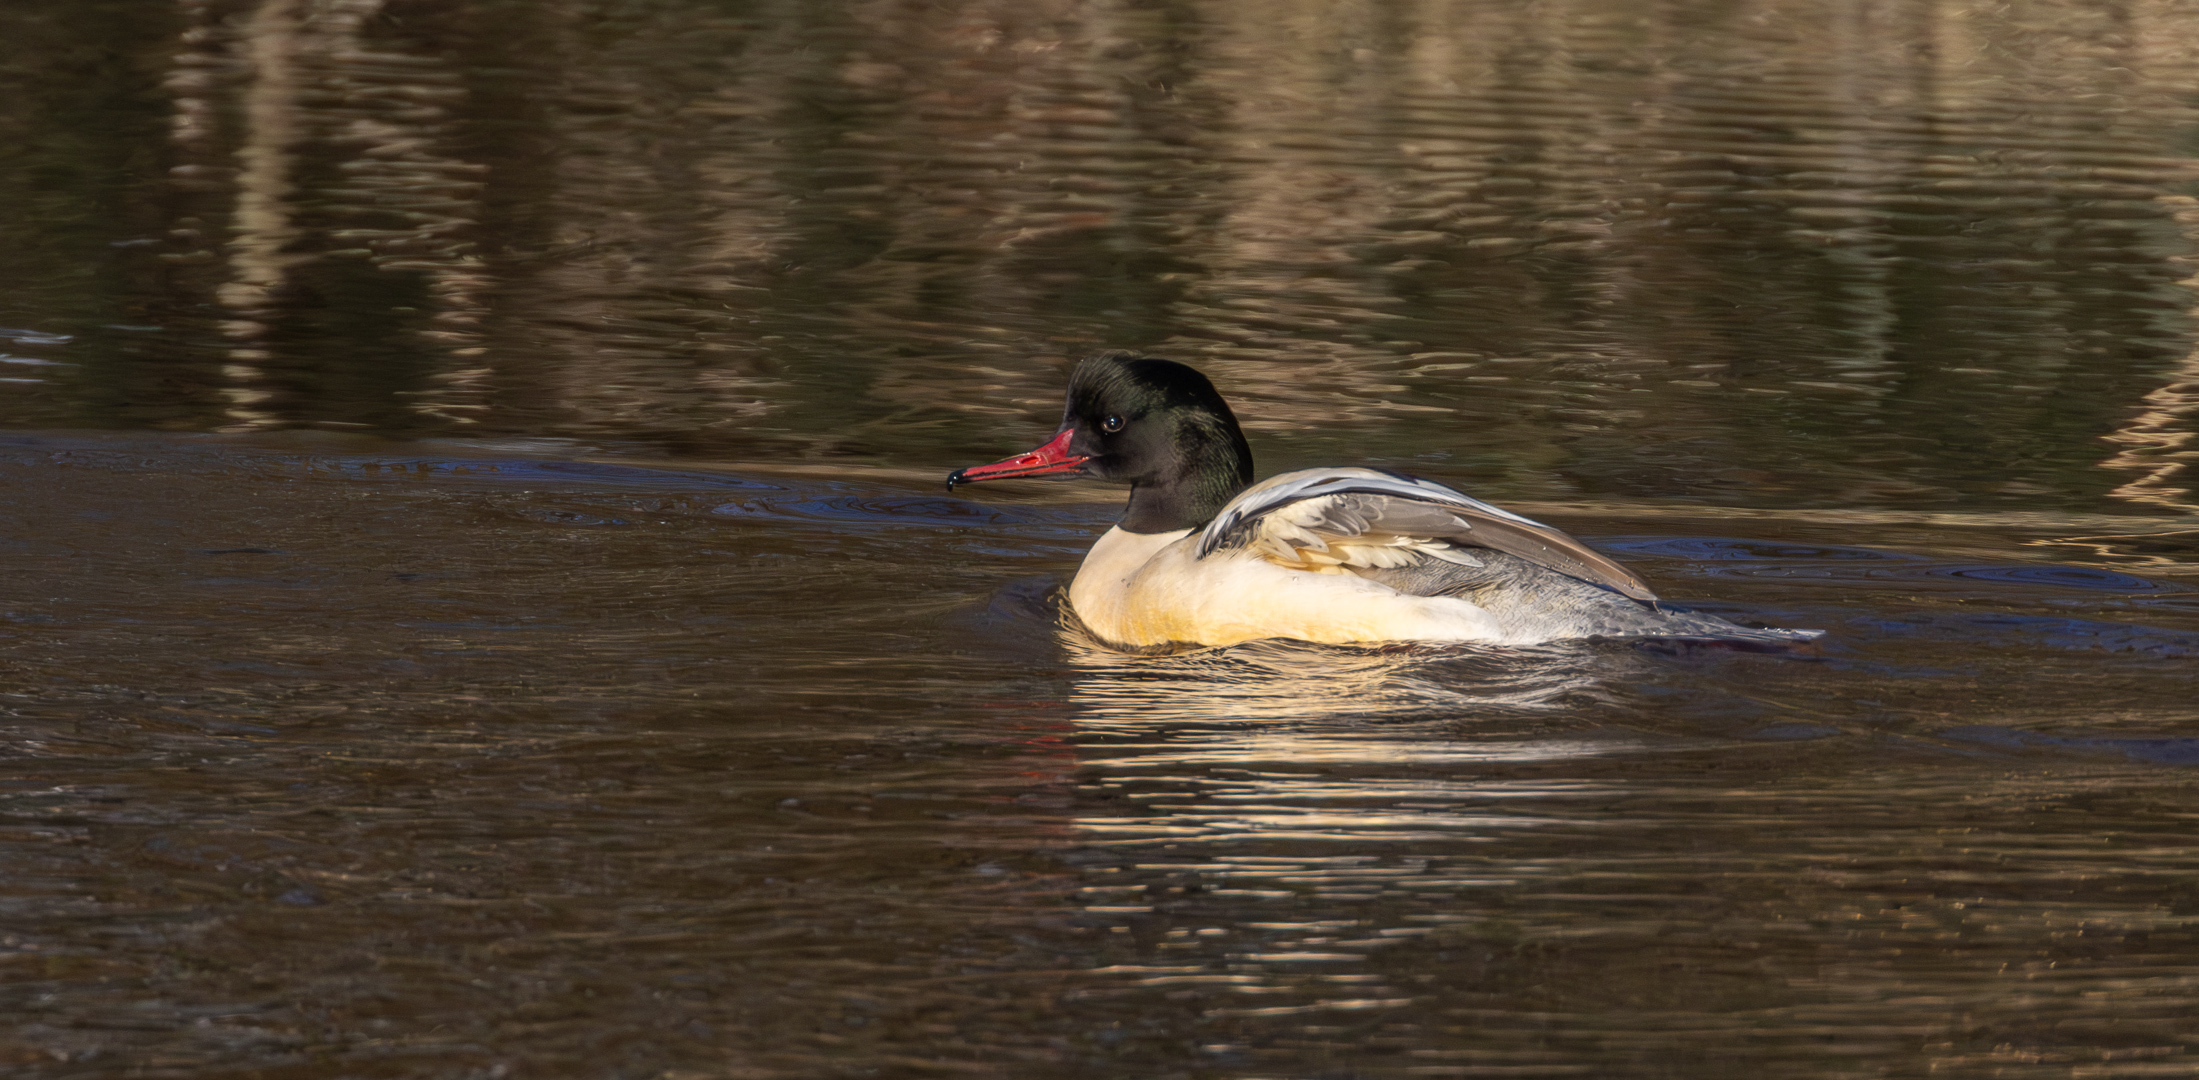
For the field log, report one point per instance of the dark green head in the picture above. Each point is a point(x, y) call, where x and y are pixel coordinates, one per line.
point(1151, 423)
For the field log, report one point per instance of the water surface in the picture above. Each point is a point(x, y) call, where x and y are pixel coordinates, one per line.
point(480, 599)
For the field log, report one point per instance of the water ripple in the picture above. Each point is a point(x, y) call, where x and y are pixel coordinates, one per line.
point(2161, 750)
point(1723, 549)
point(884, 510)
point(2067, 577)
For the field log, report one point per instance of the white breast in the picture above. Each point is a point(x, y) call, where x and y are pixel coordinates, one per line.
point(1151, 589)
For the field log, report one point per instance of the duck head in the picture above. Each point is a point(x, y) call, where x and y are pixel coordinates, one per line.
point(1151, 423)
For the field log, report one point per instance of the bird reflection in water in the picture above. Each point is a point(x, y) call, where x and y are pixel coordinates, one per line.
point(1282, 738)
point(1279, 829)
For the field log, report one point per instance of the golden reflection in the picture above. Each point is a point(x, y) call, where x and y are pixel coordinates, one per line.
point(1544, 227)
point(1259, 682)
point(424, 201)
point(261, 231)
point(1284, 739)
point(307, 79)
point(2157, 441)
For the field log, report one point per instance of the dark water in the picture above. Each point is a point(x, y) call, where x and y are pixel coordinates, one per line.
point(477, 597)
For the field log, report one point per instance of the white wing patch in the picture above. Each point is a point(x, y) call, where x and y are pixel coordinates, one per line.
point(1314, 484)
point(1338, 520)
point(1330, 534)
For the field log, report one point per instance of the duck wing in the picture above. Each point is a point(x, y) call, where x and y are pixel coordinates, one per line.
point(1343, 520)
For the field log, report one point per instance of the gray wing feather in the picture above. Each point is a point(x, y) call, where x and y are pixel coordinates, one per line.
point(1367, 501)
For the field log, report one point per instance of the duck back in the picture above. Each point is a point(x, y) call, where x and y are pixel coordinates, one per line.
point(1534, 602)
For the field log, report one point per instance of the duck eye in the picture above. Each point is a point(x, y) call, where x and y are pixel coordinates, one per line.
point(1111, 424)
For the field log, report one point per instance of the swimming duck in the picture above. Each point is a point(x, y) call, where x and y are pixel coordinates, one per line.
point(1204, 557)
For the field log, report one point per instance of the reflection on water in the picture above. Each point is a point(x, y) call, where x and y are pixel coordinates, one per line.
point(1273, 775)
point(653, 712)
point(1343, 684)
point(1495, 861)
point(325, 755)
point(1778, 255)
point(1231, 715)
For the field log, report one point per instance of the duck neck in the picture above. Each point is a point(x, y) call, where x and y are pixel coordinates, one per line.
point(1192, 497)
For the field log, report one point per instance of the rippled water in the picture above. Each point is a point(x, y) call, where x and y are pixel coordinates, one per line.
point(480, 600)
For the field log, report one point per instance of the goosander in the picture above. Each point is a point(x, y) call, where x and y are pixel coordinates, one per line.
point(1204, 557)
